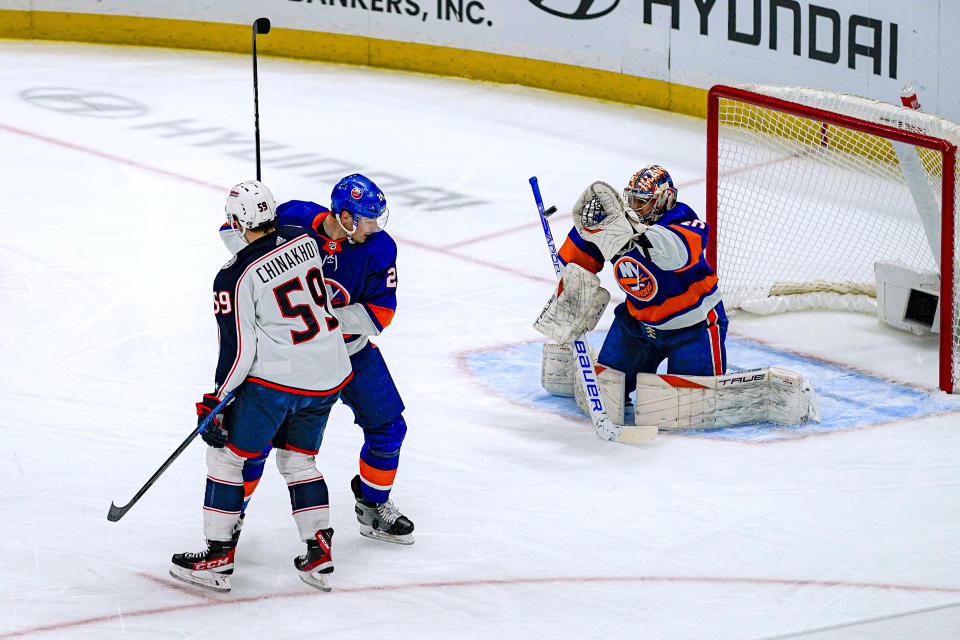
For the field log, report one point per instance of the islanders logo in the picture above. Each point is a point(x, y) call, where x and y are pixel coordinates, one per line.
point(356, 193)
point(635, 279)
point(339, 296)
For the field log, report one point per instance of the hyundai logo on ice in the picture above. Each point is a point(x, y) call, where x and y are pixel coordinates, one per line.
point(82, 102)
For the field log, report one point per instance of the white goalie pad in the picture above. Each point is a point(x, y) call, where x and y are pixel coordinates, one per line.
point(559, 369)
point(558, 372)
point(611, 384)
point(561, 365)
point(556, 369)
point(577, 307)
point(775, 395)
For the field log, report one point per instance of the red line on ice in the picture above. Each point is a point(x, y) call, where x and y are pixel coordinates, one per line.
point(108, 156)
point(179, 586)
point(484, 263)
point(209, 185)
point(226, 600)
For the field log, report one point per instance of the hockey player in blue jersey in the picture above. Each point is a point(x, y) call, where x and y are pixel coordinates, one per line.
point(360, 269)
point(672, 310)
point(282, 350)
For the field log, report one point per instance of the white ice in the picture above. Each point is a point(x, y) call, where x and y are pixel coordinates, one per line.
point(527, 525)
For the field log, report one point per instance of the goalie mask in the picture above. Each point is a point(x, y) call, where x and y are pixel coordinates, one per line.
point(650, 192)
point(602, 219)
point(250, 206)
point(359, 196)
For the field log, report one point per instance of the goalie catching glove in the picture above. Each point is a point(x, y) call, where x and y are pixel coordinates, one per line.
point(575, 308)
point(602, 219)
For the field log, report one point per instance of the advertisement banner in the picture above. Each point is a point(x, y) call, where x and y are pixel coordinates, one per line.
point(866, 47)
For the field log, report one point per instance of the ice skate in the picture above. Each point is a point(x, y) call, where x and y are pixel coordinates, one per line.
point(210, 569)
point(316, 565)
point(381, 521)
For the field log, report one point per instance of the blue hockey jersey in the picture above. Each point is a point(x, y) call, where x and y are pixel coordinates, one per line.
point(364, 274)
point(670, 298)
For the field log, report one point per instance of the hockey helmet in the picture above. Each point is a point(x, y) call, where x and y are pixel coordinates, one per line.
point(358, 195)
point(652, 183)
point(250, 206)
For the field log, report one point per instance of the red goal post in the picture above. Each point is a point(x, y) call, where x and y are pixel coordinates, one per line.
point(809, 188)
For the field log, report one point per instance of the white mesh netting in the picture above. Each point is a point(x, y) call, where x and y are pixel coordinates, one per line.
point(800, 201)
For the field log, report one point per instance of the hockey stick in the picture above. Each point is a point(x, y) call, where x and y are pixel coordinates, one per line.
point(116, 512)
point(260, 25)
point(605, 427)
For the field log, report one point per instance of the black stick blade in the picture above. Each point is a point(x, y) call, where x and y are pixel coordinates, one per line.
point(115, 512)
point(261, 25)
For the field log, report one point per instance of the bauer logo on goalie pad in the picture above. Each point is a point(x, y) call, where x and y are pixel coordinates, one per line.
point(635, 279)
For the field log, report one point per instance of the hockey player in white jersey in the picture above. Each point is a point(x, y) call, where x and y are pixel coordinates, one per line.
point(283, 349)
point(360, 262)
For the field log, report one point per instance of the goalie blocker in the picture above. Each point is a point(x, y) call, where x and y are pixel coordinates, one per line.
point(674, 402)
point(575, 308)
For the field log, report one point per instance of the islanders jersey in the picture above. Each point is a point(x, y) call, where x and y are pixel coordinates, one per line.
point(274, 318)
point(678, 296)
point(356, 274)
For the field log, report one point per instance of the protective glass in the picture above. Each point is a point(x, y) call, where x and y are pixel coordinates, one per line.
point(369, 224)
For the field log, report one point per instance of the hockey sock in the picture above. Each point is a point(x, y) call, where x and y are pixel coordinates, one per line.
point(377, 474)
point(309, 499)
point(252, 472)
point(224, 493)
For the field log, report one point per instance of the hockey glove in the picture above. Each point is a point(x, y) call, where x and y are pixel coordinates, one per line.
point(602, 219)
point(215, 434)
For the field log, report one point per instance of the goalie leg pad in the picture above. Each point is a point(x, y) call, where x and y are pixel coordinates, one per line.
point(675, 402)
point(575, 308)
point(556, 369)
point(611, 387)
point(794, 401)
point(774, 395)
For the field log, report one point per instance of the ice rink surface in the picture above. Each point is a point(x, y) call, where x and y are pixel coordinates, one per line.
point(115, 167)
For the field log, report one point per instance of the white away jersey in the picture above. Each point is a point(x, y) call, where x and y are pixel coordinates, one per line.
point(276, 328)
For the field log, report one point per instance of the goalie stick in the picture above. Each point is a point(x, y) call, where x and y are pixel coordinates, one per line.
point(116, 512)
point(605, 427)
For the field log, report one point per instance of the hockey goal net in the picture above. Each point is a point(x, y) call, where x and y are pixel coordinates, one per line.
point(807, 190)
